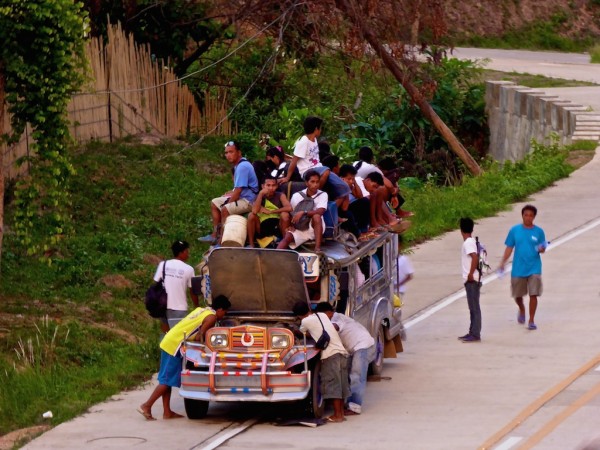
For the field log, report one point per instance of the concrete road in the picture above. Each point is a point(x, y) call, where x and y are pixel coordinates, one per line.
point(570, 66)
point(515, 389)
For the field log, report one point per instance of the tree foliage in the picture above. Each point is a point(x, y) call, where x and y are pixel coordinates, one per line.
point(42, 56)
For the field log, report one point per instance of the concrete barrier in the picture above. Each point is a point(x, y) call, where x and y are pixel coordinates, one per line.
point(518, 114)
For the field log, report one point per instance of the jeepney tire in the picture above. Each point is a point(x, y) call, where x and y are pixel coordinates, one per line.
point(314, 404)
point(376, 367)
point(195, 409)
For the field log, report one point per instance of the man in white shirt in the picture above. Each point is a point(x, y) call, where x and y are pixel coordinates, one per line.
point(364, 166)
point(469, 261)
point(306, 149)
point(360, 344)
point(178, 281)
point(334, 368)
point(293, 236)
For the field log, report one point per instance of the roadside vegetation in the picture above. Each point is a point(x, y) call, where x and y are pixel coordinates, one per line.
point(76, 332)
point(73, 324)
point(595, 54)
point(537, 35)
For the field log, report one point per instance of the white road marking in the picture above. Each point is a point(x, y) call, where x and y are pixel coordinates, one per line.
point(509, 443)
point(447, 301)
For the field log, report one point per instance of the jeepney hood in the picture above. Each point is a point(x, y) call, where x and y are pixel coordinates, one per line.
point(257, 280)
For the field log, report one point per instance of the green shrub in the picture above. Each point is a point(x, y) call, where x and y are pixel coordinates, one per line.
point(595, 54)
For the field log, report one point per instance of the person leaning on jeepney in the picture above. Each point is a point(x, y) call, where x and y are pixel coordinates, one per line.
point(194, 325)
point(334, 359)
point(360, 344)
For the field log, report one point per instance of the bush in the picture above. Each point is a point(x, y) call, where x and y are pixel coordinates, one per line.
point(595, 54)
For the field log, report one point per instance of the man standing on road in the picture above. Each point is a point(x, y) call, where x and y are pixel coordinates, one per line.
point(529, 241)
point(178, 280)
point(470, 262)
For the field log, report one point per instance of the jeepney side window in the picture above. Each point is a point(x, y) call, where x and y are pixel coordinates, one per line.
point(343, 277)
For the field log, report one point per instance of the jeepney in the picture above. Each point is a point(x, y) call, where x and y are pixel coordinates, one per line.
point(257, 352)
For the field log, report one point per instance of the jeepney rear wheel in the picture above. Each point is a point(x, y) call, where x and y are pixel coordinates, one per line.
point(195, 409)
point(314, 404)
point(376, 367)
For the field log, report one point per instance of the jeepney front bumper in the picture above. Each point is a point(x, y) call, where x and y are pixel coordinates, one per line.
point(259, 376)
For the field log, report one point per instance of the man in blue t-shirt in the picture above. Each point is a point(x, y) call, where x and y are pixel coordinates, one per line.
point(240, 199)
point(528, 241)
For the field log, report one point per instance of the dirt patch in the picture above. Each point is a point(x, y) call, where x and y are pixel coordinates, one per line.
point(579, 158)
point(152, 259)
point(10, 440)
point(116, 281)
point(494, 18)
point(111, 327)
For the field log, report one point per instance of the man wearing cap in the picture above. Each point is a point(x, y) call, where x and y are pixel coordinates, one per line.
point(240, 199)
point(178, 281)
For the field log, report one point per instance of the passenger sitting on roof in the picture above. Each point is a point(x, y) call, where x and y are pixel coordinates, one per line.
point(356, 209)
point(378, 195)
point(307, 219)
point(330, 182)
point(280, 167)
point(270, 212)
point(240, 199)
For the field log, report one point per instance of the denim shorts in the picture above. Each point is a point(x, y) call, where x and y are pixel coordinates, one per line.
point(169, 373)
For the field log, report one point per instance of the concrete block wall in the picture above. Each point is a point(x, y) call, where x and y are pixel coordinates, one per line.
point(518, 114)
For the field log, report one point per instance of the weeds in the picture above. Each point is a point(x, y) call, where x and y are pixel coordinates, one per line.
point(91, 340)
point(595, 54)
point(39, 351)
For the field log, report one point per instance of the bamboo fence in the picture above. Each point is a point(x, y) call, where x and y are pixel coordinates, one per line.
point(127, 93)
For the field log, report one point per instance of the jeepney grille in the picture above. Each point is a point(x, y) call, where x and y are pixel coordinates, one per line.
point(248, 338)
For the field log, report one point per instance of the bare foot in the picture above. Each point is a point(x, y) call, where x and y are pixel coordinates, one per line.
point(335, 419)
point(172, 415)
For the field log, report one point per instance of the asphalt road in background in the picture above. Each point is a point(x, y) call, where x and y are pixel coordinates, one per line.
point(515, 389)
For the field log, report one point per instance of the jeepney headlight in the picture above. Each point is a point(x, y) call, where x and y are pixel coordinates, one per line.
point(218, 340)
point(280, 341)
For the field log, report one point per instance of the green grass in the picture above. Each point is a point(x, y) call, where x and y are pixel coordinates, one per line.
point(540, 35)
point(595, 54)
point(438, 210)
point(90, 334)
point(533, 81)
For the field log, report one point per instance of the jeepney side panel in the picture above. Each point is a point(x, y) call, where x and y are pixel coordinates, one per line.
point(371, 302)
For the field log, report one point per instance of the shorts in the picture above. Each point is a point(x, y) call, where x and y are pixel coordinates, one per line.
point(301, 236)
point(169, 373)
point(521, 286)
point(239, 207)
point(334, 186)
point(269, 227)
point(334, 377)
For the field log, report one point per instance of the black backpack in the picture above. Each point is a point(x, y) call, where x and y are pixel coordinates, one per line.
point(305, 205)
point(156, 297)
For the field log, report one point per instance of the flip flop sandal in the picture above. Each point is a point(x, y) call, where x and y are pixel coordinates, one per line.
point(147, 415)
point(521, 318)
point(532, 326)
